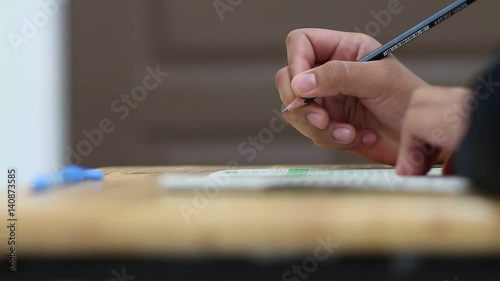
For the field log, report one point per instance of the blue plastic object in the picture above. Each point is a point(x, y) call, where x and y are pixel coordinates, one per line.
point(44, 182)
point(72, 174)
point(93, 174)
point(66, 176)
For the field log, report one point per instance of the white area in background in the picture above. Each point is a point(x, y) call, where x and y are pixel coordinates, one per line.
point(33, 92)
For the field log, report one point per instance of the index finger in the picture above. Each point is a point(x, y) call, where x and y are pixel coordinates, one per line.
point(308, 47)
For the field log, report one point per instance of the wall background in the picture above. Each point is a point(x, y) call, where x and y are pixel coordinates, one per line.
point(34, 78)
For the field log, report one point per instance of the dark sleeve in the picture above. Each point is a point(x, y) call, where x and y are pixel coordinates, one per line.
point(478, 157)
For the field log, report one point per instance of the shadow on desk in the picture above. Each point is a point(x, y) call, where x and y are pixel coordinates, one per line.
point(399, 268)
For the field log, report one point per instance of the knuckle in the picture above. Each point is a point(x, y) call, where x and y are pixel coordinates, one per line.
point(290, 38)
point(293, 35)
point(365, 38)
point(336, 71)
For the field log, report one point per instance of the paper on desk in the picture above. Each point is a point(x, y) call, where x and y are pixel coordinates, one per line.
point(335, 179)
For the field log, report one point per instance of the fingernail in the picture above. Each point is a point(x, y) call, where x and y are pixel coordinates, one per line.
point(370, 138)
point(342, 134)
point(314, 119)
point(304, 82)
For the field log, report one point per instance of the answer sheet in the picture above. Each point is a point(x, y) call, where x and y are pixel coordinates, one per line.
point(334, 179)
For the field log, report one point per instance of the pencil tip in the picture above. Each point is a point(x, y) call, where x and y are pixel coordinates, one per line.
point(284, 110)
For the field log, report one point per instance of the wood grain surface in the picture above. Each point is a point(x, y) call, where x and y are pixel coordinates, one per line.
point(128, 214)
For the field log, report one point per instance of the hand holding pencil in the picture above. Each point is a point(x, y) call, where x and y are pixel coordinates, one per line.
point(359, 107)
point(359, 94)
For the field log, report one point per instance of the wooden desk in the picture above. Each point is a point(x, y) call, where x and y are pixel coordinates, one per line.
point(129, 215)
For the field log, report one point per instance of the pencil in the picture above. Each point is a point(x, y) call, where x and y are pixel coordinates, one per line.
point(400, 41)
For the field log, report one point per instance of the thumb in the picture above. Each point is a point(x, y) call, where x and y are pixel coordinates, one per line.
point(358, 79)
